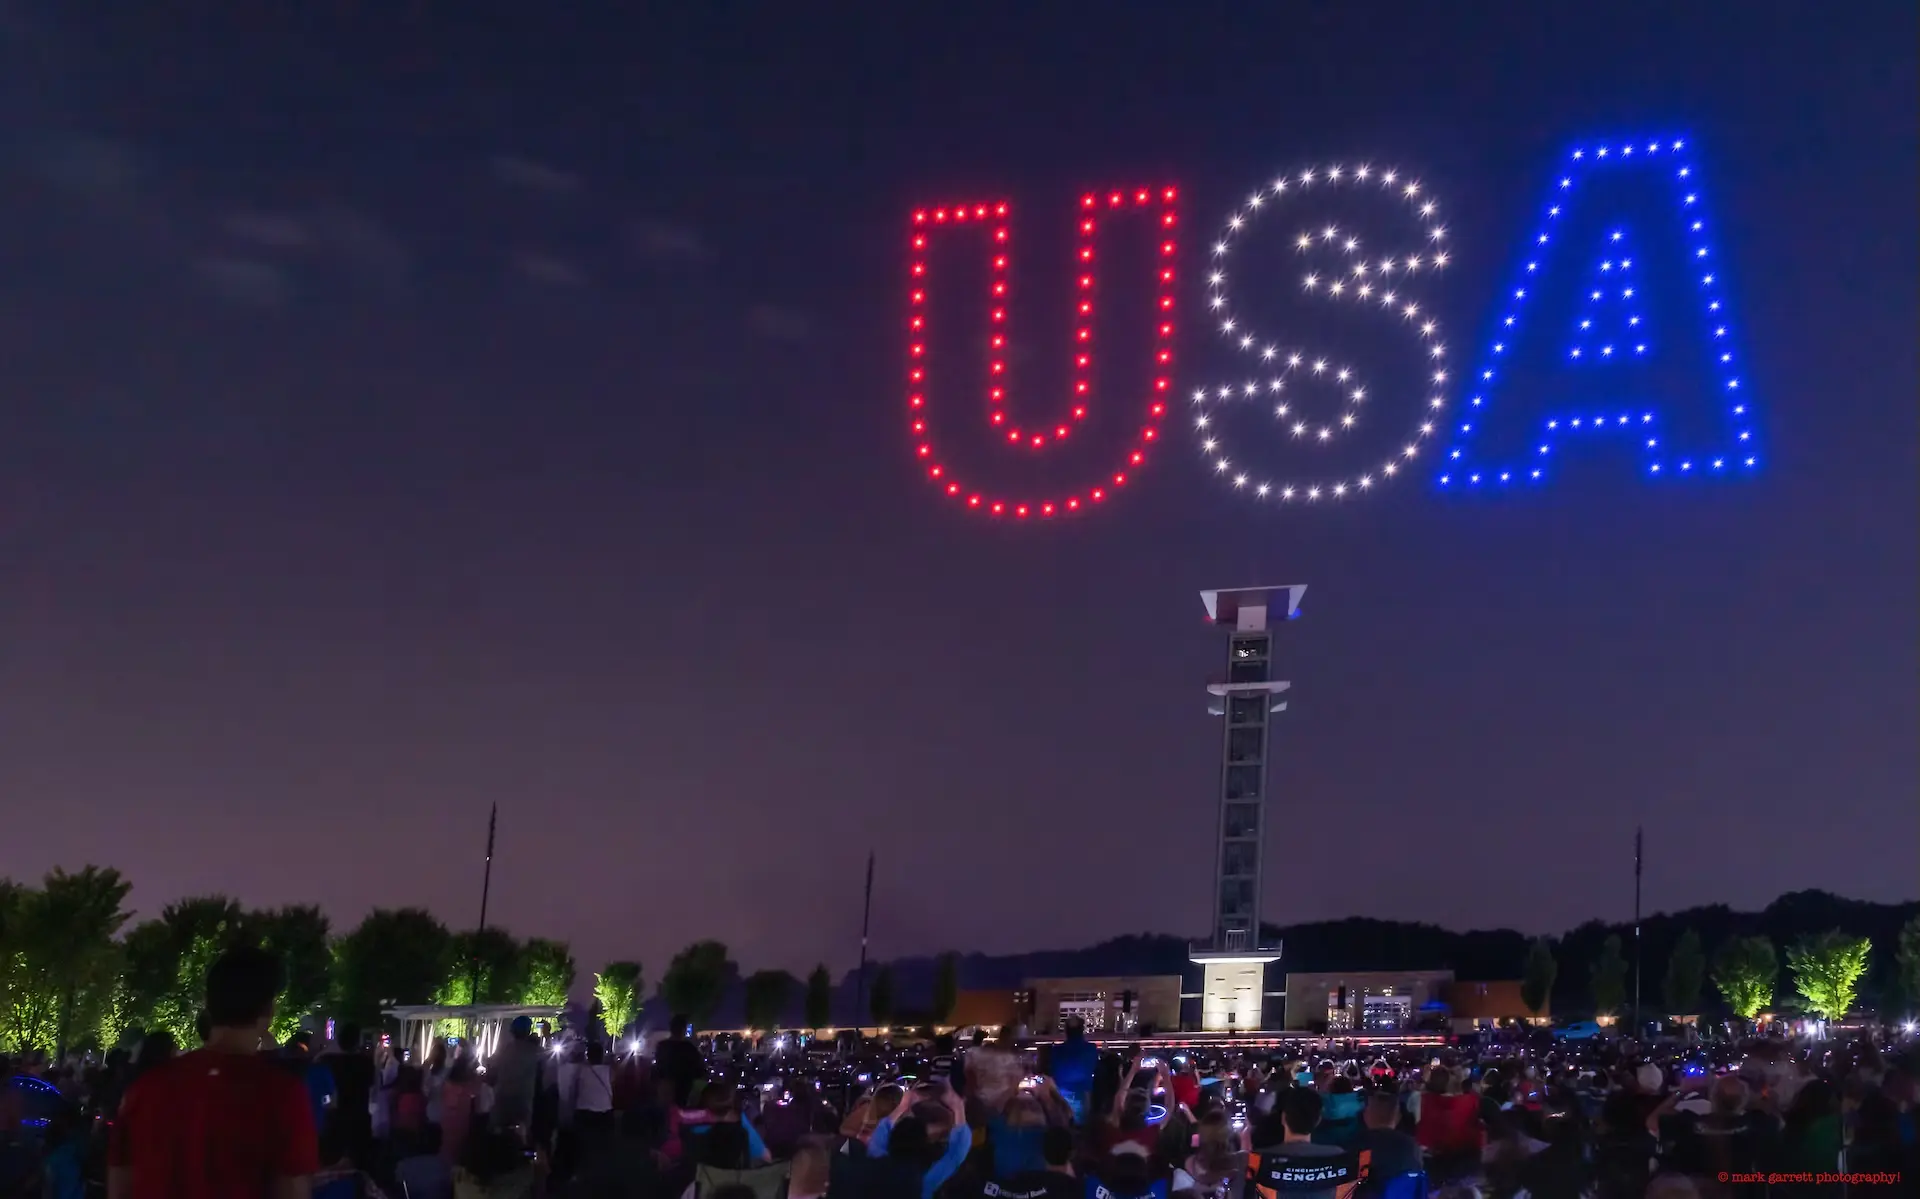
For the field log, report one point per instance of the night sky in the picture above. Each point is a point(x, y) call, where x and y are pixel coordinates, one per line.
point(412, 410)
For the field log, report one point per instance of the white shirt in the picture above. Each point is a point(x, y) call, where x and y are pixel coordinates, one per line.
point(585, 1088)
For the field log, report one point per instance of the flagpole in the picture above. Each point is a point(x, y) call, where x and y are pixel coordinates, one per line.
point(487, 882)
point(1638, 933)
point(861, 974)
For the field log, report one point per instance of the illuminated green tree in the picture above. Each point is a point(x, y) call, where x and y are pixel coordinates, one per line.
point(195, 933)
point(1607, 978)
point(1744, 972)
point(15, 1003)
point(297, 935)
point(150, 959)
point(618, 987)
point(1826, 969)
point(548, 970)
point(484, 967)
point(765, 998)
point(64, 956)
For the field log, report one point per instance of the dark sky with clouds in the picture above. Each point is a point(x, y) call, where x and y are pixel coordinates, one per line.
point(419, 406)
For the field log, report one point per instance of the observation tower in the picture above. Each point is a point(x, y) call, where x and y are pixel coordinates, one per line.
point(1234, 964)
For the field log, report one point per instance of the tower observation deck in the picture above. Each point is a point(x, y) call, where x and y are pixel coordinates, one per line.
point(1234, 962)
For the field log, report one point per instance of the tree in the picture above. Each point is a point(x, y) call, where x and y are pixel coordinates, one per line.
point(820, 998)
point(1826, 969)
point(1606, 978)
point(395, 955)
point(70, 956)
point(16, 1004)
point(194, 932)
point(881, 996)
point(547, 969)
point(487, 966)
point(1905, 970)
point(297, 935)
point(149, 962)
point(696, 979)
point(1682, 985)
point(1744, 973)
point(947, 986)
point(1538, 976)
point(618, 987)
point(766, 994)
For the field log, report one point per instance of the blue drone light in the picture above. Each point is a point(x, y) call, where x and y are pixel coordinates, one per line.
point(1612, 327)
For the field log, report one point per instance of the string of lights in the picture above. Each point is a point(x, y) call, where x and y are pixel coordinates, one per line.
point(1615, 285)
point(1363, 276)
point(993, 217)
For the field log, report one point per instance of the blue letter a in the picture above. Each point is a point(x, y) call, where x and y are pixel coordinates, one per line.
point(1618, 330)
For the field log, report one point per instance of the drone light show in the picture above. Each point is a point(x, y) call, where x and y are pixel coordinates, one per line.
point(1570, 362)
point(989, 221)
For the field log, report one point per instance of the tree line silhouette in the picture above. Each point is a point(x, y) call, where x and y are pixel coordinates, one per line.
point(74, 972)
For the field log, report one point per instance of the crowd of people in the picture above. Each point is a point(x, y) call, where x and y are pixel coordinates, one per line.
point(567, 1114)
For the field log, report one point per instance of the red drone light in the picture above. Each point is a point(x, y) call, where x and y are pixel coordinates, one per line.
point(1083, 361)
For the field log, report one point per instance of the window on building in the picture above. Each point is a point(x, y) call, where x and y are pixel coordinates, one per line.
point(1238, 857)
point(1238, 899)
point(1244, 745)
point(1242, 782)
point(1386, 1013)
point(1247, 709)
point(1093, 1012)
point(1241, 820)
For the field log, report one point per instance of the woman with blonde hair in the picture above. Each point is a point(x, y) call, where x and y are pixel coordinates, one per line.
point(1220, 1157)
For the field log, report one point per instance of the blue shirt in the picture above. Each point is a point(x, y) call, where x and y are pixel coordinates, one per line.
point(1016, 1150)
point(756, 1147)
point(1072, 1065)
point(63, 1172)
point(960, 1141)
point(320, 1092)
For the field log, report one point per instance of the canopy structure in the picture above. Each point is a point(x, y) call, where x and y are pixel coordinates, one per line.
point(483, 1024)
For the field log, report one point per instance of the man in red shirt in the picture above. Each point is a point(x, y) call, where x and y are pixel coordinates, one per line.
point(221, 1122)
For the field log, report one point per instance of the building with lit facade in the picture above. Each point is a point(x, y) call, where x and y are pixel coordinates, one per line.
point(1121, 1005)
point(1366, 1001)
point(1381, 1001)
point(1234, 965)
